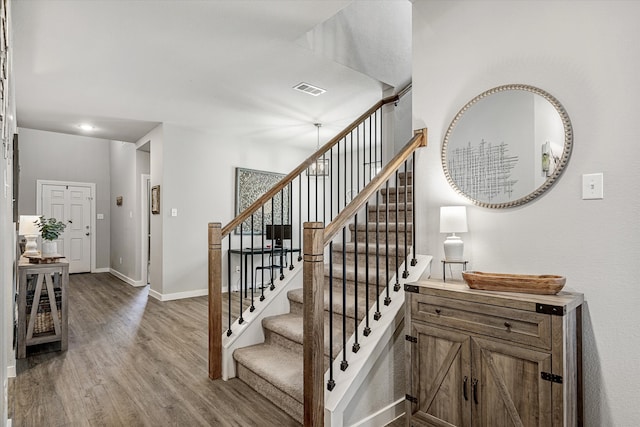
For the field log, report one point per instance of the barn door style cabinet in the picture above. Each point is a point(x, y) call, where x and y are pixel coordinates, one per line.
point(481, 358)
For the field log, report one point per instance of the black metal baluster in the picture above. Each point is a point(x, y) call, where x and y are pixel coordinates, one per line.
point(387, 298)
point(299, 217)
point(356, 345)
point(241, 319)
point(272, 286)
point(229, 286)
point(281, 263)
point(324, 193)
point(405, 273)
point(344, 364)
point(396, 287)
point(316, 193)
point(331, 383)
point(290, 221)
point(331, 188)
point(367, 328)
point(414, 261)
point(338, 178)
point(262, 255)
point(252, 308)
point(377, 314)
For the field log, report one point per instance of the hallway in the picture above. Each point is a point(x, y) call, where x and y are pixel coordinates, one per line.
point(132, 361)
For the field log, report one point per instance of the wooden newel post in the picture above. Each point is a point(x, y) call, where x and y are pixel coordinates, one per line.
point(215, 300)
point(313, 323)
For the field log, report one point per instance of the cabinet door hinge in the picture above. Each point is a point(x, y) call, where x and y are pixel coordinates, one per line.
point(411, 398)
point(551, 377)
point(550, 309)
point(410, 338)
point(411, 288)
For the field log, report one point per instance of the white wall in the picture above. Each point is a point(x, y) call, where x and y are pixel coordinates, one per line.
point(126, 165)
point(585, 54)
point(198, 181)
point(7, 242)
point(62, 157)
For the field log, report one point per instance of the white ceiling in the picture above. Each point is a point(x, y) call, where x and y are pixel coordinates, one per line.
point(226, 66)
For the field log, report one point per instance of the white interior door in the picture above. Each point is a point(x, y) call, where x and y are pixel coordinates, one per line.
point(72, 205)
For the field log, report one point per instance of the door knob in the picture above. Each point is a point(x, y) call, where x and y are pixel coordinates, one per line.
point(86, 234)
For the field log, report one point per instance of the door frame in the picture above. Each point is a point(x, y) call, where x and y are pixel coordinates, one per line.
point(145, 224)
point(92, 204)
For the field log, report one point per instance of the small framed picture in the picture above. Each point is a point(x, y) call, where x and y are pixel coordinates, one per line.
point(155, 199)
point(119, 201)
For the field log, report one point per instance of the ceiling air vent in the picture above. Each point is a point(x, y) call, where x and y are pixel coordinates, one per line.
point(310, 89)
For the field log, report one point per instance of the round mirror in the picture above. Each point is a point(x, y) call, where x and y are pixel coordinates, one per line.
point(507, 146)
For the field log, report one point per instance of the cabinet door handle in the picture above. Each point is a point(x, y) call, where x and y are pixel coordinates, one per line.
point(438, 311)
point(475, 391)
point(464, 388)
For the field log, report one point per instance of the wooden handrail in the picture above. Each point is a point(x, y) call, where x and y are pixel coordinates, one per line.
point(227, 229)
point(419, 140)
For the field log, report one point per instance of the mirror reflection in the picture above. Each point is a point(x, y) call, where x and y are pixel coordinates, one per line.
point(507, 146)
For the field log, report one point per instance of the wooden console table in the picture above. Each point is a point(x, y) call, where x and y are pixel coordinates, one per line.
point(42, 304)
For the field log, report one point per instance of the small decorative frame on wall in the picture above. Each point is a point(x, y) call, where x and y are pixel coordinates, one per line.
point(155, 199)
point(119, 201)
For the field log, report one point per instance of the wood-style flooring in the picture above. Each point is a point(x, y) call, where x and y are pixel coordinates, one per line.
point(132, 361)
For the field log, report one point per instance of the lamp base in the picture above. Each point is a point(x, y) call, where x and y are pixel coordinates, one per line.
point(31, 246)
point(453, 248)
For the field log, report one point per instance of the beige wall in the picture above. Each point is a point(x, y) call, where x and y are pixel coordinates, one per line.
point(584, 54)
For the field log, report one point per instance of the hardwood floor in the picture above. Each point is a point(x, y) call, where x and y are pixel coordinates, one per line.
point(132, 361)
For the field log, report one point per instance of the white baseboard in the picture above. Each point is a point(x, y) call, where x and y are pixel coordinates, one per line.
point(11, 371)
point(9, 422)
point(132, 282)
point(178, 295)
point(382, 417)
point(102, 270)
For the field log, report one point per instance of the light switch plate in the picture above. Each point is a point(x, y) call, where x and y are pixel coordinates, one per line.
point(174, 212)
point(100, 216)
point(593, 186)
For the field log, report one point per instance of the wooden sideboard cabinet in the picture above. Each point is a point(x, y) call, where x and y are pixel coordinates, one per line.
point(42, 304)
point(483, 358)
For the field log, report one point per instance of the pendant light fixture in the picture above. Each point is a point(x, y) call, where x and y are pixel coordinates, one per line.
point(321, 166)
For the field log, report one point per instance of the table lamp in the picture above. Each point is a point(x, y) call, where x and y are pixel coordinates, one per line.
point(30, 231)
point(453, 219)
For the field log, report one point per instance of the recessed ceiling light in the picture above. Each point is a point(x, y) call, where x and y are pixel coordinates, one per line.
point(86, 127)
point(309, 89)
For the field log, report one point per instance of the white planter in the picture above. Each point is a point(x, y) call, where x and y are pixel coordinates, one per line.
point(49, 248)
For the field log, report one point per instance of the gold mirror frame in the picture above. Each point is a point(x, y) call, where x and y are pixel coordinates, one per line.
point(550, 180)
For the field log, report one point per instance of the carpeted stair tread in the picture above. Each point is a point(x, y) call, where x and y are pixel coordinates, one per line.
point(382, 207)
point(361, 248)
point(277, 365)
point(338, 273)
point(290, 326)
point(382, 227)
point(296, 295)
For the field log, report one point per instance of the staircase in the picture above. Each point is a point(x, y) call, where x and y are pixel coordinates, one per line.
point(275, 368)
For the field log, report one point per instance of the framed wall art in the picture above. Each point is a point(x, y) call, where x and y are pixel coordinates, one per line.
point(155, 199)
point(250, 186)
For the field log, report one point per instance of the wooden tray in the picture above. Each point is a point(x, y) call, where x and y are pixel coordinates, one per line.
point(47, 259)
point(544, 285)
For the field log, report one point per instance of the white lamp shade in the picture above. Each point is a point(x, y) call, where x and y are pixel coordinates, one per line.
point(28, 225)
point(453, 219)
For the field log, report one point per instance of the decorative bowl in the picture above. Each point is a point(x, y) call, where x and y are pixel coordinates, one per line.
point(545, 284)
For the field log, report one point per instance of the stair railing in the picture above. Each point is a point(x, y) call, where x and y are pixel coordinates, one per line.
point(399, 172)
point(350, 161)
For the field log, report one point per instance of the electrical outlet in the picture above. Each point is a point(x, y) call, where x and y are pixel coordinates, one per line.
point(237, 269)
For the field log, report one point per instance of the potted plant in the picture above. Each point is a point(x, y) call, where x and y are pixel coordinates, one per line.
point(50, 230)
